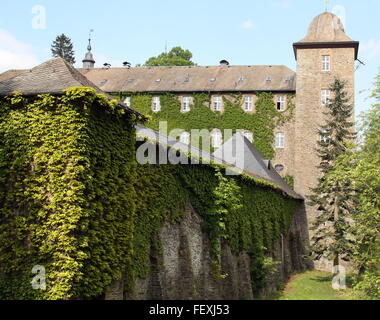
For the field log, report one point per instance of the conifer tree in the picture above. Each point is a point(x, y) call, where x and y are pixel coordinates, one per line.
point(63, 47)
point(334, 198)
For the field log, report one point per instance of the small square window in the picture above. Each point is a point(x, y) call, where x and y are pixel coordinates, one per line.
point(186, 104)
point(325, 97)
point(248, 103)
point(281, 103)
point(325, 63)
point(217, 104)
point(156, 106)
point(280, 140)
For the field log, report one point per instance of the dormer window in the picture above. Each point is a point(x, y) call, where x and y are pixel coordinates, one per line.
point(217, 103)
point(248, 103)
point(325, 63)
point(127, 101)
point(156, 106)
point(186, 104)
point(281, 103)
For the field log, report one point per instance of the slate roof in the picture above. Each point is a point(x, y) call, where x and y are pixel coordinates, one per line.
point(53, 77)
point(194, 79)
point(254, 163)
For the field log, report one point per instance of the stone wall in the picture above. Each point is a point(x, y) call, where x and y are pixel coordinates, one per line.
point(183, 269)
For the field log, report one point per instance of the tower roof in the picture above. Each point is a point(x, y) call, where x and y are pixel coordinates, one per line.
point(326, 31)
point(326, 27)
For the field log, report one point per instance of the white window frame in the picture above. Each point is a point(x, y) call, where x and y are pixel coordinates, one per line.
point(325, 96)
point(324, 137)
point(280, 140)
point(156, 104)
point(217, 103)
point(186, 104)
point(185, 137)
point(280, 105)
point(127, 101)
point(216, 138)
point(248, 103)
point(326, 63)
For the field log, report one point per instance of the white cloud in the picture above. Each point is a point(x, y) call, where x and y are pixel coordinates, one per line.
point(15, 54)
point(248, 24)
point(285, 4)
point(371, 48)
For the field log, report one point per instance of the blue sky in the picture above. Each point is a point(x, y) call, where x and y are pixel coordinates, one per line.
point(245, 32)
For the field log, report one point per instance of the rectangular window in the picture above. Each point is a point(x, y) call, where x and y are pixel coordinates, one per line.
point(186, 104)
point(325, 63)
point(156, 106)
point(280, 140)
point(248, 103)
point(325, 97)
point(217, 104)
point(127, 101)
point(281, 103)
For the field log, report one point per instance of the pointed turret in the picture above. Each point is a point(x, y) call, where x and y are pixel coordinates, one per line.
point(88, 61)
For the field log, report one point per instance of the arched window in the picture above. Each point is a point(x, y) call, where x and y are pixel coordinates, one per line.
point(280, 140)
point(216, 138)
point(185, 137)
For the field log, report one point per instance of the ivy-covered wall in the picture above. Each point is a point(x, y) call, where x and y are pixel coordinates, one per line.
point(261, 123)
point(73, 199)
point(247, 213)
point(67, 199)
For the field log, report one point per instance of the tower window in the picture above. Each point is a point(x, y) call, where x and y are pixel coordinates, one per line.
point(280, 140)
point(217, 104)
point(185, 137)
point(156, 106)
point(325, 97)
point(324, 136)
point(216, 138)
point(127, 101)
point(248, 103)
point(281, 103)
point(325, 63)
point(186, 104)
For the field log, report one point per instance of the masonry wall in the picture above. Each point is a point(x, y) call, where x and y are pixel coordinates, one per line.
point(183, 270)
point(309, 114)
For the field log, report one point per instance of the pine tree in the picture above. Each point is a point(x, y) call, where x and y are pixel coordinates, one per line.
point(334, 197)
point(63, 47)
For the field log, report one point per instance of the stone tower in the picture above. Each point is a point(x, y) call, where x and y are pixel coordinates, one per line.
point(88, 61)
point(323, 55)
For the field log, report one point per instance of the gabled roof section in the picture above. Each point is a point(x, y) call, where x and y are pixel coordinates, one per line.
point(254, 163)
point(51, 77)
point(194, 79)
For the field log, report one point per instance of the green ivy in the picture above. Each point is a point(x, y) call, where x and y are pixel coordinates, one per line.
point(262, 123)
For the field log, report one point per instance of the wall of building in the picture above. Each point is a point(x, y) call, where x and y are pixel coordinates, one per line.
point(183, 268)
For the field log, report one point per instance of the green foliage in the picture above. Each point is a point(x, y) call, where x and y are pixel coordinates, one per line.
point(175, 57)
point(63, 47)
point(262, 123)
point(333, 197)
point(66, 193)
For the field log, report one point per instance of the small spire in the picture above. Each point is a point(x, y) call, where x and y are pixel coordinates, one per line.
point(88, 61)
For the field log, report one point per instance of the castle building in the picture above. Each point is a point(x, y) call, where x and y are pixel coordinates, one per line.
point(324, 54)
